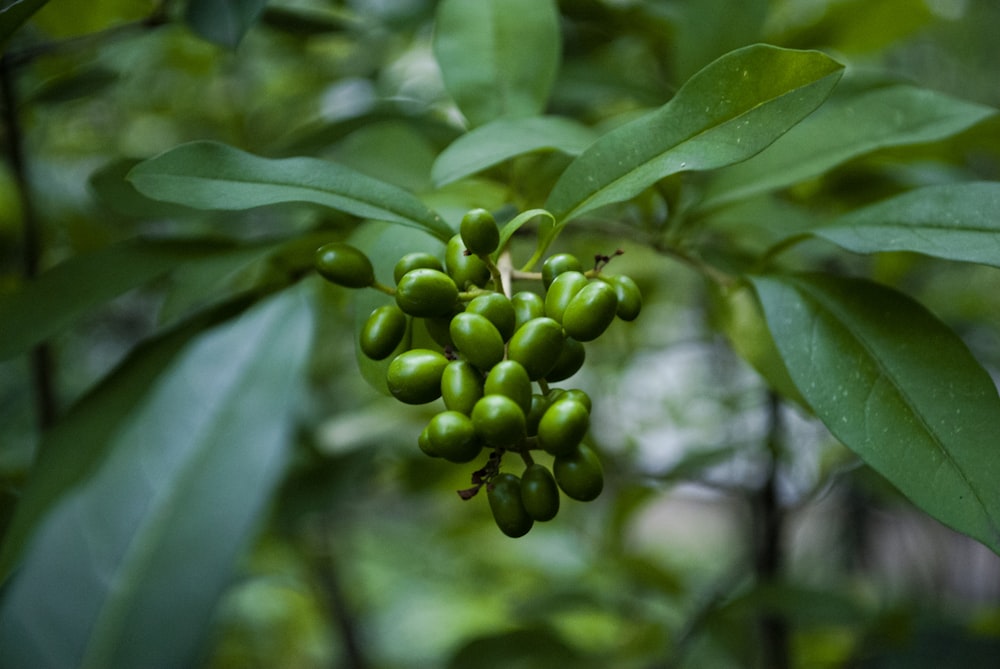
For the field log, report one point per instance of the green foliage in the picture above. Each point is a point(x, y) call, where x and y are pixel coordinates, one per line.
point(815, 181)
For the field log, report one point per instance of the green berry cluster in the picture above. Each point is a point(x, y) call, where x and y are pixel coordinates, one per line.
point(497, 354)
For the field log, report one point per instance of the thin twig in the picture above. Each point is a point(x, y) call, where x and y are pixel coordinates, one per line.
point(42, 364)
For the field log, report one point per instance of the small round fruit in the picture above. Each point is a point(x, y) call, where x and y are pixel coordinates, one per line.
point(424, 442)
point(452, 436)
point(414, 377)
point(563, 289)
point(510, 378)
point(344, 265)
point(415, 260)
point(539, 493)
point(479, 232)
point(477, 339)
point(499, 421)
point(437, 327)
point(570, 360)
point(563, 427)
point(527, 305)
point(539, 403)
point(382, 332)
point(556, 265)
point(579, 474)
point(465, 270)
point(504, 493)
point(461, 386)
point(580, 396)
point(498, 308)
point(536, 345)
point(590, 312)
point(629, 296)
point(426, 293)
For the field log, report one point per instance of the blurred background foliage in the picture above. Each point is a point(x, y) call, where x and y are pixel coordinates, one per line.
point(367, 558)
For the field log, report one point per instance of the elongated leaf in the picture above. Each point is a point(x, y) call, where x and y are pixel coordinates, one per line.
point(846, 127)
point(223, 22)
point(73, 449)
point(210, 175)
point(145, 547)
point(503, 139)
point(730, 110)
point(896, 386)
point(498, 57)
point(952, 221)
point(71, 289)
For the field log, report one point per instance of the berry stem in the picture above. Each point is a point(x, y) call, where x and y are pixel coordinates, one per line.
point(381, 287)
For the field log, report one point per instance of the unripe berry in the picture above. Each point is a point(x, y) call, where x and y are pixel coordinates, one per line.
point(556, 265)
point(426, 293)
point(504, 493)
point(479, 232)
point(414, 377)
point(590, 312)
point(344, 265)
point(382, 332)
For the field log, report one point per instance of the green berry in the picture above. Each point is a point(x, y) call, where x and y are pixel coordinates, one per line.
point(461, 386)
point(499, 421)
point(414, 377)
point(415, 260)
point(563, 289)
point(579, 474)
point(590, 312)
point(563, 427)
point(510, 378)
point(426, 293)
point(479, 232)
point(465, 270)
point(382, 332)
point(344, 265)
point(437, 327)
point(504, 493)
point(424, 442)
point(536, 345)
point(527, 305)
point(539, 493)
point(628, 294)
point(570, 360)
point(556, 265)
point(477, 339)
point(452, 436)
point(498, 309)
point(539, 403)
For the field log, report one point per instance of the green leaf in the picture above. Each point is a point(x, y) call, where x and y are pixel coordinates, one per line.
point(896, 386)
point(951, 221)
point(210, 175)
point(729, 111)
point(71, 450)
point(738, 315)
point(223, 22)
point(14, 13)
point(846, 127)
point(545, 232)
point(146, 546)
point(498, 57)
point(46, 306)
point(385, 245)
point(500, 140)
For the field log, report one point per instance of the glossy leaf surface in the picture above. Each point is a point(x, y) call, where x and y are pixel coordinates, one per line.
point(210, 175)
point(727, 112)
point(846, 127)
point(952, 221)
point(500, 140)
point(498, 57)
point(164, 518)
point(897, 387)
